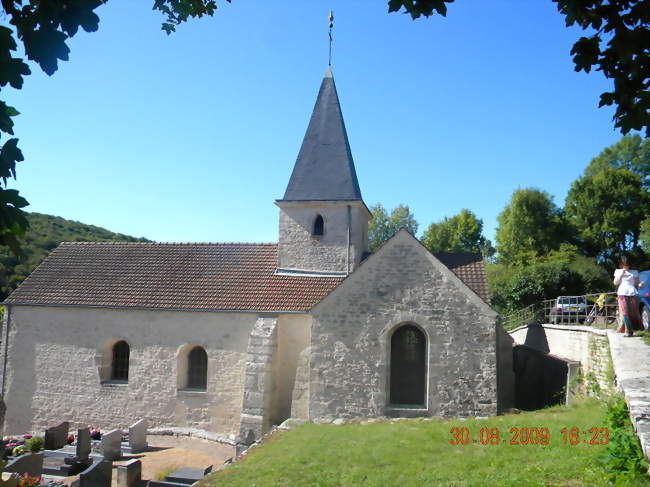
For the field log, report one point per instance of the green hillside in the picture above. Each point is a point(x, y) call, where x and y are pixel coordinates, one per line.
point(46, 232)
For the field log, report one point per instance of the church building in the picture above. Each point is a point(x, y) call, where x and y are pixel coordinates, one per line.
point(233, 338)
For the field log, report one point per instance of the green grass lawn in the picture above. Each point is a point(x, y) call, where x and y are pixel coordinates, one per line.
point(418, 453)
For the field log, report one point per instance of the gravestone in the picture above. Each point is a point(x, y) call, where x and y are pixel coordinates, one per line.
point(81, 461)
point(112, 445)
point(57, 436)
point(83, 443)
point(164, 483)
point(188, 475)
point(138, 436)
point(32, 463)
point(97, 475)
point(129, 473)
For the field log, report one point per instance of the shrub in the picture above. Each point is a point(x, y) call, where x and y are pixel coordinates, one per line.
point(19, 450)
point(623, 456)
point(35, 444)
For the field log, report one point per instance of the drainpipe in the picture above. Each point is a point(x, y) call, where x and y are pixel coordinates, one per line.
point(349, 230)
point(7, 320)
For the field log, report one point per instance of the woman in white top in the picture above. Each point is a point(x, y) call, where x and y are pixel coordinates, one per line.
point(628, 297)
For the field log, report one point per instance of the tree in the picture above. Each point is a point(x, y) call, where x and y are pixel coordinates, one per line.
point(43, 27)
point(617, 45)
point(460, 233)
point(531, 225)
point(631, 152)
point(644, 234)
point(607, 209)
point(383, 226)
point(561, 272)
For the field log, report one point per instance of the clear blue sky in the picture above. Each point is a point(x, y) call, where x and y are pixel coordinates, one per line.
point(191, 137)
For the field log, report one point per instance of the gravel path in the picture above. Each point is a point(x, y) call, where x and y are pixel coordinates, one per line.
point(167, 453)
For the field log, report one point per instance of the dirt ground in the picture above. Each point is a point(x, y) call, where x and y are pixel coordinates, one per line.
point(167, 453)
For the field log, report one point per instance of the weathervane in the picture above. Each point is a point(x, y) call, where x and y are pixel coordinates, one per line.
point(331, 19)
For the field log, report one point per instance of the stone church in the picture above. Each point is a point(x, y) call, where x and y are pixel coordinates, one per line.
point(233, 338)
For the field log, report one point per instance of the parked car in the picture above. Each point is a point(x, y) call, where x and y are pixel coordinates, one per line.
point(644, 298)
point(568, 309)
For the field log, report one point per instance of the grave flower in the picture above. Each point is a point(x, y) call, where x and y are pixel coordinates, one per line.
point(27, 480)
point(19, 450)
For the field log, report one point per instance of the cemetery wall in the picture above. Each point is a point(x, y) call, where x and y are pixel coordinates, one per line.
point(57, 368)
point(352, 328)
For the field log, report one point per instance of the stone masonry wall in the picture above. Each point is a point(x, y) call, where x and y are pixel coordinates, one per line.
point(56, 357)
point(299, 250)
point(583, 344)
point(261, 387)
point(352, 327)
point(293, 337)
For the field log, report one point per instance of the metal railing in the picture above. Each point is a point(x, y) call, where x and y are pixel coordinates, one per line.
point(600, 310)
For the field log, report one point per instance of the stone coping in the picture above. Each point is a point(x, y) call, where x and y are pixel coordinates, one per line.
point(631, 359)
point(582, 328)
point(193, 433)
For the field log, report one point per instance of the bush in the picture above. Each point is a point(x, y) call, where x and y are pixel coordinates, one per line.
point(35, 444)
point(19, 450)
point(623, 456)
point(560, 273)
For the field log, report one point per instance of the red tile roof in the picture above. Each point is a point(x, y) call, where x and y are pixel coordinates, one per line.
point(224, 277)
point(470, 269)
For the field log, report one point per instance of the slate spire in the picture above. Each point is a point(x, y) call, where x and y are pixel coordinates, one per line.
point(324, 170)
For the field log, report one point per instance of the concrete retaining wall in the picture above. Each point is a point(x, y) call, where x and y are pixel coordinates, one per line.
point(583, 344)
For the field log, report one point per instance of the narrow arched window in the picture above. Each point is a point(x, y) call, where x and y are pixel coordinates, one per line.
point(120, 365)
point(408, 358)
point(197, 368)
point(319, 226)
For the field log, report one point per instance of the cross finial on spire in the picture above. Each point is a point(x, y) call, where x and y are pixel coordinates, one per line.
point(331, 21)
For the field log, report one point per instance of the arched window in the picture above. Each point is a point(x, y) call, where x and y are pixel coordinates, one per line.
point(120, 363)
point(197, 368)
point(408, 361)
point(319, 226)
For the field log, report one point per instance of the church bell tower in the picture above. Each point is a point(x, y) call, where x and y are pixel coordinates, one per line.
point(323, 219)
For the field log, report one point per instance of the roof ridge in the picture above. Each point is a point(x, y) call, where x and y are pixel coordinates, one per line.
point(250, 244)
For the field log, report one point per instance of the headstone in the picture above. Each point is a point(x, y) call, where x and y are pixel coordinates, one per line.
point(164, 483)
point(97, 475)
point(112, 445)
point(32, 463)
point(81, 460)
point(83, 443)
point(138, 436)
point(188, 475)
point(57, 437)
point(129, 473)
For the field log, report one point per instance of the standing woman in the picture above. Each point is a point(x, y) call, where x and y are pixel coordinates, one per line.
point(628, 297)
